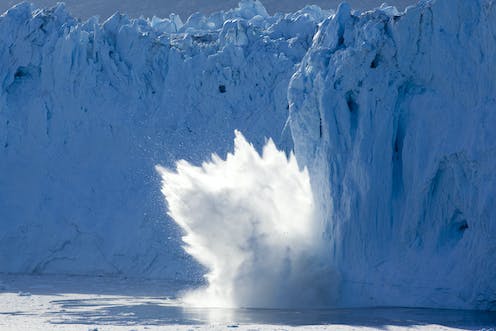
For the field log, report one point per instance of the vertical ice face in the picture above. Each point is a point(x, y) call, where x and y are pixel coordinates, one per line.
point(394, 115)
point(252, 222)
point(87, 109)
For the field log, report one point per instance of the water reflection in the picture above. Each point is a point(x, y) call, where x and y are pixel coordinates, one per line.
point(102, 301)
point(372, 317)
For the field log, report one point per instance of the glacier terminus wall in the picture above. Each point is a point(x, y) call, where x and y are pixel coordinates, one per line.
point(87, 110)
point(396, 111)
point(393, 113)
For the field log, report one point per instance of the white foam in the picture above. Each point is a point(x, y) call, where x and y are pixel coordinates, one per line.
point(251, 221)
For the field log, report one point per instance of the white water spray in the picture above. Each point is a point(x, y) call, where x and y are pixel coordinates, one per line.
point(252, 222)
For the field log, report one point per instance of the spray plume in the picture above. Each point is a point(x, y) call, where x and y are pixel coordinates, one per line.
point(251, 221)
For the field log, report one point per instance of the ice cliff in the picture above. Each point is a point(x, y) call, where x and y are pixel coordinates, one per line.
point(398, 112)
point(88, 109)
point(392, 113)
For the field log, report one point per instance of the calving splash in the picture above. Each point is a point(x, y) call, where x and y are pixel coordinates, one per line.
point(252, 222)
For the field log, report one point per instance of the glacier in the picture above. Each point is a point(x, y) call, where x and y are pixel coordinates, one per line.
point(391, 112)
point(87, 109)
point(397, 111)
point(149, 8)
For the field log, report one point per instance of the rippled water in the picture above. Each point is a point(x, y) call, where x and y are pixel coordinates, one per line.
point(113, 301)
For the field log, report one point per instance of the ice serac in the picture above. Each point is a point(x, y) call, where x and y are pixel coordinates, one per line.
point(395, 114)
point(87, 109)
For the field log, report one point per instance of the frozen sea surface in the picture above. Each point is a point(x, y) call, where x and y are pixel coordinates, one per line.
point(102, 303)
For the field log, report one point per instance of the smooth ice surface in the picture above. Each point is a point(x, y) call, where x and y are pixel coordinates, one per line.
point(250, 219)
